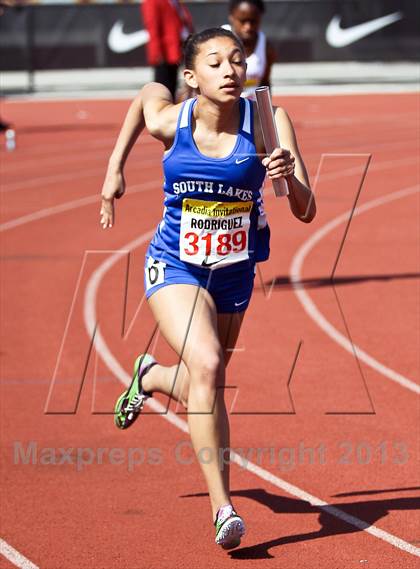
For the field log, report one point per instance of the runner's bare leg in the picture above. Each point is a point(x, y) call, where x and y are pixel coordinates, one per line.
point(187, 318)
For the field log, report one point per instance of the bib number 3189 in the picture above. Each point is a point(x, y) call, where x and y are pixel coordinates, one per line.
point(223, 243)
point(214, 232)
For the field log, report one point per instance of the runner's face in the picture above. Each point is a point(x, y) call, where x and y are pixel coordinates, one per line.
point(219, 69)
point(245, 20)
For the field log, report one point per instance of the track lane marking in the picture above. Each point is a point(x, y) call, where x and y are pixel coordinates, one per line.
point(90, 319)
point(73, 204)
point(15, 557)
point(312, 310)
point(295, 269)
point(65, 177)
point(16, 222)
point(115, 367)
point(76, 153)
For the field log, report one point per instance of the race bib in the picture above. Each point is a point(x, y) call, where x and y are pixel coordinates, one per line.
point(214, 233)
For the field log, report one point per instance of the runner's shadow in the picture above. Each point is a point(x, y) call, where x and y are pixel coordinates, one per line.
point(367, 512)
point(284, 282)
point(379, 491)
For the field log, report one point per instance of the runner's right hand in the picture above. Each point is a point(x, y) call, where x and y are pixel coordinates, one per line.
point(114, 187)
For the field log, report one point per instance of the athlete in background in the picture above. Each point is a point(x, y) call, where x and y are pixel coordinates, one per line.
point(245, 20)
point(169, 23)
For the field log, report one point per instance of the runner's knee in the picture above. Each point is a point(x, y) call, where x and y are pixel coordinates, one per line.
point(205, 368)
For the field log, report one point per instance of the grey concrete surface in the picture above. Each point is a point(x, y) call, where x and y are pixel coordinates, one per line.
point(287, 78)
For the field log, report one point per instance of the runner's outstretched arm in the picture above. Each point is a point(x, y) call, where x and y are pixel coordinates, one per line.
point(147, 109)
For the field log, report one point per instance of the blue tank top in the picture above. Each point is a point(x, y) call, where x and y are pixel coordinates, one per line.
point(213, 207)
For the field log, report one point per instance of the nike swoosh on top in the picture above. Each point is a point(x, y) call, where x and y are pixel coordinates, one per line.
point(336, 36)
point(239, 303)
point(120, 42)
point(237, 161)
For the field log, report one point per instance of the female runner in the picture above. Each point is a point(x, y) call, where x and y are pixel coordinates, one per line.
point(200, 264)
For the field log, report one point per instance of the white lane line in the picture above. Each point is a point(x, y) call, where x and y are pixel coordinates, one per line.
point(74, 176)
point(308, 304)
point(55, 178)
point(24, 219)
point(386, 120)
point(20, 560)
point(5, 549)
point(53, 150)
point(312, 310)
point(78, 157)
point(114, 366)
point(15, 557)
point(373, 167)
point(90, 319)
point(53, 210)
point(112, 363)
point(73, 152)
point(332, 510)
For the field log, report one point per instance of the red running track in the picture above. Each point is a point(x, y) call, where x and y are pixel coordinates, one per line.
point(344, 433)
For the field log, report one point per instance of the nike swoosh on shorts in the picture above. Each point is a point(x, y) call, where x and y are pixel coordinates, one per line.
point(121, 42)
point(336, 36)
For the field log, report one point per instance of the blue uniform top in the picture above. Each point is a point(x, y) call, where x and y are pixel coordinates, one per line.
point(213, 208)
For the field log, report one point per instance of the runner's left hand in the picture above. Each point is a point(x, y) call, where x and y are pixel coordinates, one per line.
point(280, 163)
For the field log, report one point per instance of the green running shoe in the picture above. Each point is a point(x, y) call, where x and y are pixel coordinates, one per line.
point(229, 527)
point(130, 403)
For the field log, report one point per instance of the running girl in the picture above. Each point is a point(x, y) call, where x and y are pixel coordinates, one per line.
point(200, 264)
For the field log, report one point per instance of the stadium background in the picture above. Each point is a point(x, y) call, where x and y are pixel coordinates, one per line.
point(63, 35)
point(335, 308)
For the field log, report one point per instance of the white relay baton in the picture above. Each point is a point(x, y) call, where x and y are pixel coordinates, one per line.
point(270, 134)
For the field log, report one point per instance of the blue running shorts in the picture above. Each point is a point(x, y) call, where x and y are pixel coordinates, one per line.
point(230, 287)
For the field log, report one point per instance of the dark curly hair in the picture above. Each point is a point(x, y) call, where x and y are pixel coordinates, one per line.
point(193, 42)
point(259, 4)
